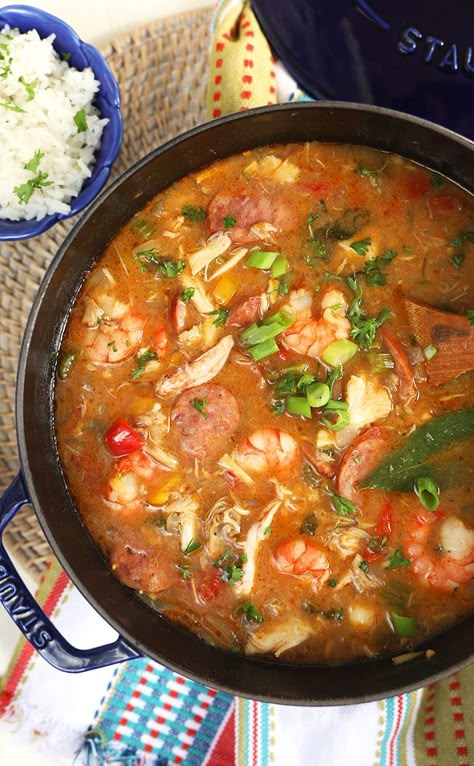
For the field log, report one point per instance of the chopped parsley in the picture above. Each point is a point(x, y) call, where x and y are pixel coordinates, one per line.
point(142, 361)
point(363, 327)
point(436, 180)
point(6, 69)
point(372, 270)
point(192, 546)
point(377, 543)
point(200, 405)
point(113, 346)
point(311, 218)
point(250, 611)
point(171, 269)
point(470, 315)
point(309, 525)
point(283, 285)
point(11, 106)
point(398, 560)
point(318, 251)
point(25, 191)
point(220, 316)
point(341, 505)
point(229, 221)
point(66, 55)
point(361, 247)
point(80, 118)
point(364, 565)
point(33, 164)
point(187, 294)
point(230, 566)
point(278, 407)
point(184, 571)
point(331, 614)
point(457, 260)
point(193, 213)
point(373, 171)
point(332, 582)
point(29, 87)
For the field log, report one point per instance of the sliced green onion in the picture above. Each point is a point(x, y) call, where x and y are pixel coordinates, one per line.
point(285, 318)
point(318, 394)
point(339, 352)
point(427, 492)
point(279, 266)
point(298, 405)
point(430, 351)
point(337, 405)
point(380, 361)
point(66, 361)
point(404, 626)
point(261, 350)
point(261, 259)
point(335, 420)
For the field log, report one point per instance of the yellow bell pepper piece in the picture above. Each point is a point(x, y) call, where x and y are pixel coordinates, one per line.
point(142, 404)
point(161, 495)
point(225, 289)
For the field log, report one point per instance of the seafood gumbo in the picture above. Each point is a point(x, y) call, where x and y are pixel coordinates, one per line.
point(265, 405)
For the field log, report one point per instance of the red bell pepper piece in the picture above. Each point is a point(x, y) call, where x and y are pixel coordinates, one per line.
point(121, 439)
point(383, 533)
point(210, 585)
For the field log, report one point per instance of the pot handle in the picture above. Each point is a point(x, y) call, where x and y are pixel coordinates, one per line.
point(29, 617)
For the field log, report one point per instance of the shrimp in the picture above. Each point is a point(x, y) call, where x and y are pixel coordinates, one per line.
point(113, 341)
point(131, 479)
point(266, 451)
point(311, 336)
point(450, 564)
point(298, 558)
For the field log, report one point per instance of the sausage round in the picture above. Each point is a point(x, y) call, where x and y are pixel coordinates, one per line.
point(248, 210)
point(204, 420)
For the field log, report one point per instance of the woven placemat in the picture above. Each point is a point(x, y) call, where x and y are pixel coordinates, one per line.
point(161, 70)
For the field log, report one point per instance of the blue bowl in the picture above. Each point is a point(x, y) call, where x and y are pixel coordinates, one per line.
point(411, 55)
point(107, 101)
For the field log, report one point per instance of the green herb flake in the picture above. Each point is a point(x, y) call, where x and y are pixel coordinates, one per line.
point(229, 222)
point(250, 612)
point(200, 405)
point(220, 317)
point(457, 260)
point(278, 407)
point(374, 275)
point(267, 531)
point(143, 227)
point(470, 315)
point(12, 107)
point(33, 164)
point(364, 565)
point(193, 213)
point(26, 190)
point(377, 543)
point(142, 361)
point(66, 55)
point(192, 546)
point(311, 218)
point(398, 560)
point(171, 269)
point(184, 571)
point(361, 247)
point(187, 294)
point(332, 582)
point(318, 251)
point(341, 505)
point(113, 346)
point(363, 327)
point(436, 180)
point(80, 118)
point(29, 87)
point(309, 525)
point(373, 171)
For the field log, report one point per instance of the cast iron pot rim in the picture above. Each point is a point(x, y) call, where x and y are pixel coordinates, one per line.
point(23, 449)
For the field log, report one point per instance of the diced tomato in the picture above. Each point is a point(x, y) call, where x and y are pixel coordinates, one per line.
point(444, 203)
point(160, 342)
point(210, 585)
point(383, 533)
point(418, 184)
point(121, 439)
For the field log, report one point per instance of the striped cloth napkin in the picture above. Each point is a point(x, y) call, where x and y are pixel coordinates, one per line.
point(141, 714)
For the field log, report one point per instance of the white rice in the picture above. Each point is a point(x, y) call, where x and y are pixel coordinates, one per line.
point(40, 95)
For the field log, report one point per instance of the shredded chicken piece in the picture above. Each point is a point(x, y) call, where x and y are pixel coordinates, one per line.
point(255, 535)
point(236, 256)
point(278, 637)
point(93, 313)
point(223, 522)
point(346, 539)
point(361, 580)
point(181, 511)
point(264, 231)
point(200, 298)
point(199, 371)
point(368, 401)
point(228, 463)
point(203, 334)
point(217, 244)
point(153, 425)
point(282, 171)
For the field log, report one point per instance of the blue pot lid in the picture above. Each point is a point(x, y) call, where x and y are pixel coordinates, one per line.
point(411, 55)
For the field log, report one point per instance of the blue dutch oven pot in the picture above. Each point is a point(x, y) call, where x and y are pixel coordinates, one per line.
point(40, 481)
point(412, 55)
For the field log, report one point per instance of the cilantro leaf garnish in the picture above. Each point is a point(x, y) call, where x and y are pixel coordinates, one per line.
point(220, 317)
point(29, 87)
point(193, 213)
point(229, 221)
point(372, 270)
point(361, 247)
point(187, 294)
point(470, 315)
point(33, 164)
point(363, 327)
point(80, 118)
point(250, 611)
point(373, 171)
point(25, 191)
point(192, 546)
point(142, 361)
point(171, 269)
point(398, 560)
point(200, 405)
point(341, 505)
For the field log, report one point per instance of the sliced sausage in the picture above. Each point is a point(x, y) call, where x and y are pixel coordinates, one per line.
point(204, 420)
point(250, 310)
point(138, 563)
point(407, 390)
point(360, 458)
point(248, 210)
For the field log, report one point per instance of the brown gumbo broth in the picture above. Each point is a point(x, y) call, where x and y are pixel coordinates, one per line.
point(249, 350)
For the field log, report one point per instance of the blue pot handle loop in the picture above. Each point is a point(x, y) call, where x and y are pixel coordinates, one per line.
point(29, 617)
